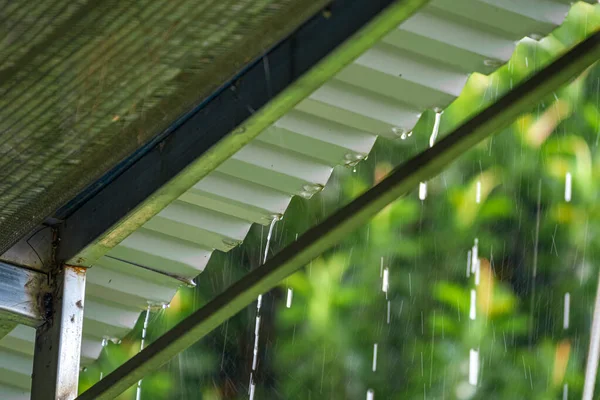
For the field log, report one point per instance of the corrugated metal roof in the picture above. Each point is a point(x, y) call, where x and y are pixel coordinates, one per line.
point(423, 64)
point(84, 84)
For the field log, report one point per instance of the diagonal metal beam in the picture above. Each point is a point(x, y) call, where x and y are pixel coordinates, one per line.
point(320, 238)
point(197, 144)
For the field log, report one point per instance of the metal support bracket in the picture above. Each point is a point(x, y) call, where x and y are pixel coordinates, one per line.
point(20, 290)
point(58, 340)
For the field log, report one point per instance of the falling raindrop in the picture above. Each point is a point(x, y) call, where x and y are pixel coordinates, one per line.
point(432, 139)
point(256, 336)
point(469, 263)
point(478, 193)
point(567, 310)
point(473, 307)
point(475, 256)
point(473, 366)
point(388, 311)
point(370, 394)
point(258, 307)
point(565, 391)
point(386, 280)
point(252, 389)
point(375, 357)
point(422, 190)
point(290, 295)
point(568, 187)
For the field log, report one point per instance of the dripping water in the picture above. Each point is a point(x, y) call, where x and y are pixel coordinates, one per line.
point(252, 385)
point(432, 139)
point(138, 392)
point(104, 344)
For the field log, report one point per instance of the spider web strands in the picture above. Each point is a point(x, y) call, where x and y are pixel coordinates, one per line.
point(334, 229)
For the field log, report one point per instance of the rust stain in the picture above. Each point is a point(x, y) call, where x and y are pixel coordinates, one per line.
point(78, 270)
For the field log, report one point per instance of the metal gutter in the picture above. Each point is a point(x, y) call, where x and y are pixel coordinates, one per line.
point(318, 239)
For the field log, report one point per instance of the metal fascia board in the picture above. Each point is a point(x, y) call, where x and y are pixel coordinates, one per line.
point(318, 239)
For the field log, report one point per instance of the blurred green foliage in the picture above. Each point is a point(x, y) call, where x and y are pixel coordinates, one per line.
point(322, 346)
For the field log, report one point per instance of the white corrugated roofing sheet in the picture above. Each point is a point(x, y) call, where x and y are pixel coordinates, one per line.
point(423, 64)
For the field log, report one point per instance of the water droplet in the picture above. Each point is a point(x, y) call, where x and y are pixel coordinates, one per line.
point(536, 36)
point(352, 159)
point(492, 63)
point(400, 132)
point(310, 190)
point(231, 243)
point(478, 193)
